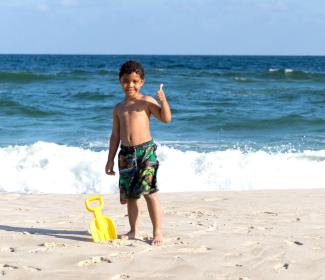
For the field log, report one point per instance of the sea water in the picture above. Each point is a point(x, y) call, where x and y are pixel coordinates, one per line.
point(239, 122)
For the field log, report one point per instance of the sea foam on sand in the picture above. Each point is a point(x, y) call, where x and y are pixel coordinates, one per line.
point(51, 168)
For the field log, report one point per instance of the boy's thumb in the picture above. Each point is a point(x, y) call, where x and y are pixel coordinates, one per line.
point(161, 86)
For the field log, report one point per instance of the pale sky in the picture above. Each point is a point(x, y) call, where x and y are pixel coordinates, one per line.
point(252, 27)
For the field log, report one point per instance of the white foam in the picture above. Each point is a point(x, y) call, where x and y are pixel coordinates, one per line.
point(235, 170)
point(51, 168)
point(288, 70)
point(242, 79)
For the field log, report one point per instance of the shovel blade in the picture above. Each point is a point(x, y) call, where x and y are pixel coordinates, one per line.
point(106, 232)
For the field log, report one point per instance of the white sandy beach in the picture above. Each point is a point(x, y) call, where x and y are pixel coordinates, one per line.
point(211, 235)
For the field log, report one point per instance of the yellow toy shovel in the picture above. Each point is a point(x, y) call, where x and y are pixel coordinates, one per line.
point(102, 228)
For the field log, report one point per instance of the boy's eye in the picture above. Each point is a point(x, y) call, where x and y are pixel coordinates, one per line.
point(129, 82)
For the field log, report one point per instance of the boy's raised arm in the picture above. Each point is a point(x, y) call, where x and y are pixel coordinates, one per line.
point(113, 144)
point(161, 112)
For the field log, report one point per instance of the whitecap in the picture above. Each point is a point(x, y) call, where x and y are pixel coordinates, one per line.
point(51, 168)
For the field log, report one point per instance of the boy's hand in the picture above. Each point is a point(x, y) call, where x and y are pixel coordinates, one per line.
point(109, 168)
point(160, 94)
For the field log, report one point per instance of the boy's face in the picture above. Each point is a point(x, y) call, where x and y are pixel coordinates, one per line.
point(131, 84)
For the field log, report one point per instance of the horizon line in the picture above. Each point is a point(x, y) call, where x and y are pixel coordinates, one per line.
point(140, 54)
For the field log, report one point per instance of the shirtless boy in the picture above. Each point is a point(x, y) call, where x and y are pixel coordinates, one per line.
point(137, 159)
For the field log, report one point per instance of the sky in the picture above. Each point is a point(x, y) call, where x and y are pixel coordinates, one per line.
point(204, 27)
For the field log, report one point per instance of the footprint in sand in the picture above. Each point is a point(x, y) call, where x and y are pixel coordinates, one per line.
point(47, 246)
point(8, 266)
point(281, 266)
point(197, 214)
point(33, 251)
point(179, 259)
point(271, 213)
point(290, 243)
point(94, 260)
point(53, 245)
point(4, 268)
point(22, 209)
point(212, 227)
point(120, 276)
point(118, 243)
point(31, 268)
point(171, 212)
point(7, 250)
point(179, 241)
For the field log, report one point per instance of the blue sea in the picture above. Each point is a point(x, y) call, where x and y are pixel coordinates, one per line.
point(239, 122)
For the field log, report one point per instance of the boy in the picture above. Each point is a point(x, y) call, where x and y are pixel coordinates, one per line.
point(137, 159)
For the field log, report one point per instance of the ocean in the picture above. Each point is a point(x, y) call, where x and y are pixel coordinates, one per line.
point(239, 122)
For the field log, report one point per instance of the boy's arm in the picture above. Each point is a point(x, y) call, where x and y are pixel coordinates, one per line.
point(161, 112)
point(113, 144)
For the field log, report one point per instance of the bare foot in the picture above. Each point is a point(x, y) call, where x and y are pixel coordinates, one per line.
point(130, 235)
point(157, 239)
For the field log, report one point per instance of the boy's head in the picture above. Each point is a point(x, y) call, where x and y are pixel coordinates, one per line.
point(131, 78)
point(130, 67)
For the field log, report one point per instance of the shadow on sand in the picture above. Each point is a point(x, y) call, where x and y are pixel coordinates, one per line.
point(64, 234)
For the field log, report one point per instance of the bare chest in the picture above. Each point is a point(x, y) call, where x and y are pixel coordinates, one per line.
point(132, 111)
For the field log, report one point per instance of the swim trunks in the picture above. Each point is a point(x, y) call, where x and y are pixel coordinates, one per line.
point(138, 167)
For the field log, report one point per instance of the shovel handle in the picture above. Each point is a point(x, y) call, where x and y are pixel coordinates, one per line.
point(94, 198)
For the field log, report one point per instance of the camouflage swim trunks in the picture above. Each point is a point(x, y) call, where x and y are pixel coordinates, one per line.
point(138, 167)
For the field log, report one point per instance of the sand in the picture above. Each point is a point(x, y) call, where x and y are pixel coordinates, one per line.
point(212, 235)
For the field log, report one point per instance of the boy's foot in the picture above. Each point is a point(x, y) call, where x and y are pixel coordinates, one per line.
point(157, 239)
point(130, 235)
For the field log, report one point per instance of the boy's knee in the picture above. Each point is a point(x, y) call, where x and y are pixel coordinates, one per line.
point(150, 197)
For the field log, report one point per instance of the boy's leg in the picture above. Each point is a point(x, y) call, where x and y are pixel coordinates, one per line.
point(155, 216)
point(133, 213)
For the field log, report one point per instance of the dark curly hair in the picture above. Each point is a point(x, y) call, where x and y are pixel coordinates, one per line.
point(130, 67)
